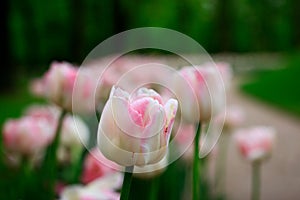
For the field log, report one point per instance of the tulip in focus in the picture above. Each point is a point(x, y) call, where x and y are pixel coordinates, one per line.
point(151, 171)
point(255, 143)
point(135, 129)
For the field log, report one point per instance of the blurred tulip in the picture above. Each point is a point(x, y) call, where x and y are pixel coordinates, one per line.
point(135, 129)
point(36, 87)
point(226, 73)
point(184, 140)
point(93, 167)
point(234, 117)
point(100, 189)
point(49, 112)
point(255, 143)
point(59, 84)
point(27, 135)
point(124, 70)
point(201, 92)
point(74, 135)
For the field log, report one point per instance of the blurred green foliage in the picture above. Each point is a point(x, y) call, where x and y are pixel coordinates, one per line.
point(67, 30)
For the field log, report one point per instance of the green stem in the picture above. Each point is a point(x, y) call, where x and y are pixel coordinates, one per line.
point(220, 176)
point(196, 164)
point(25, 180)
point(50, 162)
point(256, 180)
point(154, 188)
point(126, 183)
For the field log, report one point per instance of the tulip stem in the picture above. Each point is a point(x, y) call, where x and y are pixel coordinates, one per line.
point(255, 180)
point(126, 183)
point(220, 174)
point(50, 162)
point(196, 164)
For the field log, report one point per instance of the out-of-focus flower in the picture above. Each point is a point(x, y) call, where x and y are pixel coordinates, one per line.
point(124, 71)
point(226, 72)
point(200, 91)
point(184, 140)
point(93, 167)
point(74, 132)
point(234, 117)
point(59, 82)
point(49, 112)
point(36, 87)
point(255, 143)
point(27, 135)
point(135, 129)
point(100, 189)
point(150, 171)
point(74, 135)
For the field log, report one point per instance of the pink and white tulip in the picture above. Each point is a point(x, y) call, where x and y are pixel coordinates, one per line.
point(135, 129)
point(150, 171)
point(27, 135)
point(255, 143)
point(74, 132)
point(200, 91)
point(59, 84)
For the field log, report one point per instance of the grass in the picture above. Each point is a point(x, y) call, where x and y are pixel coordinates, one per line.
point(278, 87)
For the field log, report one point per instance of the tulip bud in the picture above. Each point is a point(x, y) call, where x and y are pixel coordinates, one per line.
point(135, 129)
point(255, 143)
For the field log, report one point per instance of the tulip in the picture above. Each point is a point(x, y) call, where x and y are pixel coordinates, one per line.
point(48, 112)
point(151, 171)
point(255, 143)
point(94, 167)
point(135, 129)
point(233, 117)
point(184, 140)
point(101, 188)
point(36, 87)
point(74, 135)
point(201, 92)
point(226, 73)
point(28, 135)
point(64, 85)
